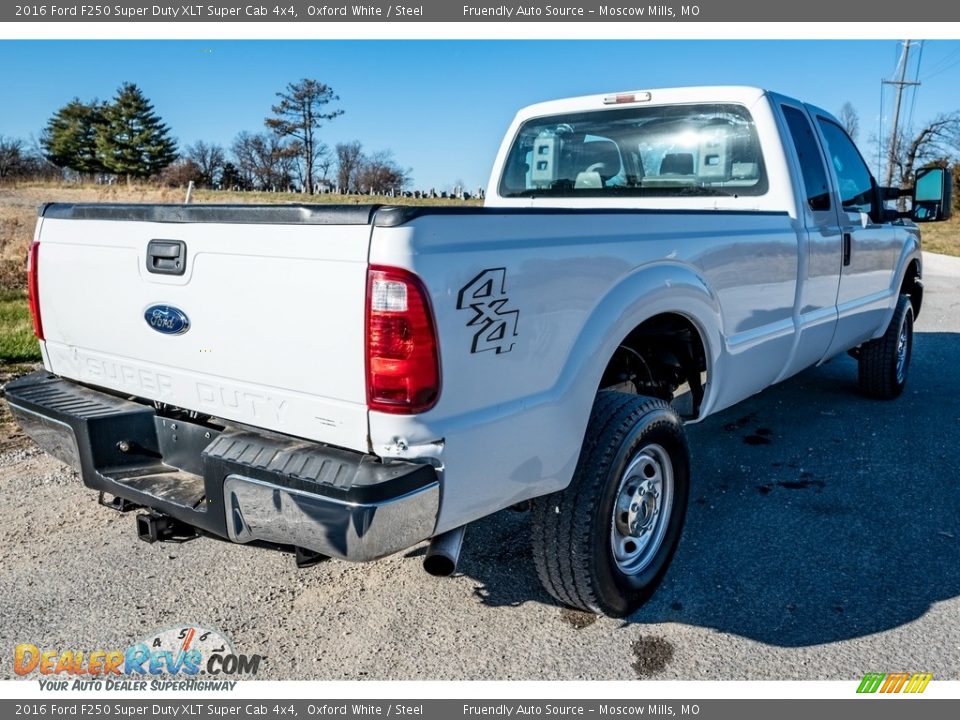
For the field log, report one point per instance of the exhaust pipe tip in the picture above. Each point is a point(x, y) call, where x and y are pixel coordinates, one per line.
point(444, 553)
point(440, 565)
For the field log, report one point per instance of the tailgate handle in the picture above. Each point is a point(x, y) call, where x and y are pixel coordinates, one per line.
point(167, 257)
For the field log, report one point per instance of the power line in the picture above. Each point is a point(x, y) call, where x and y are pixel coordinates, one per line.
point(942, 70)
point(944, 63)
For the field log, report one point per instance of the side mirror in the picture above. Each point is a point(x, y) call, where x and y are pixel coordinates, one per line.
point(932, 195)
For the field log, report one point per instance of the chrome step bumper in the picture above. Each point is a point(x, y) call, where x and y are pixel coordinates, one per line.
point(237, 484)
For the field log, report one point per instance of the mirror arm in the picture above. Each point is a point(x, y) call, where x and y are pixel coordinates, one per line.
point(895, 193)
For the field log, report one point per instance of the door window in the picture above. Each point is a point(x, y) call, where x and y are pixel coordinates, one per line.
point(855, 182)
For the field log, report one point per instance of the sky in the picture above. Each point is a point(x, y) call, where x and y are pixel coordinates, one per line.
point(443, 106)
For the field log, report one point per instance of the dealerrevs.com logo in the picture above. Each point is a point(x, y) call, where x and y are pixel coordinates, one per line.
point(183, 657)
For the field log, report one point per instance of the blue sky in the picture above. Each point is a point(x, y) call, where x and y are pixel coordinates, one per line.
point(442, 106)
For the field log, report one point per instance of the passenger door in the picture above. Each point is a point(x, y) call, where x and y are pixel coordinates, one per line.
point(820, 242)
point(871, 247)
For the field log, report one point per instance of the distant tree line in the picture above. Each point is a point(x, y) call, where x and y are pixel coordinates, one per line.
point(126, 138)
point(17, 160)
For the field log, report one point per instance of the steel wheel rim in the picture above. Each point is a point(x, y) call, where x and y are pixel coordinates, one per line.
point(641, 509)
point(903, 348)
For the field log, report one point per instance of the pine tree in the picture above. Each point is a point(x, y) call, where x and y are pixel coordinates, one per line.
point(133, 140)
point(230, 177)
point(70, 138)
point(298, 116)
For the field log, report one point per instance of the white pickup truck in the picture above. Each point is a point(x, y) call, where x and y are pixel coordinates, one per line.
point(352, 380)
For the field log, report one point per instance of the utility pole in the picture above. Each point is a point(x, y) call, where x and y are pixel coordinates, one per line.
point(900, 83)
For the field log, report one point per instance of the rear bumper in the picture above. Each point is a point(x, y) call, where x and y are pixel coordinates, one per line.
point(241, 485)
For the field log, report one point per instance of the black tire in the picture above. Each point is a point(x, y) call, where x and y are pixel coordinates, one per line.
point(574, 529)
point(882, 371)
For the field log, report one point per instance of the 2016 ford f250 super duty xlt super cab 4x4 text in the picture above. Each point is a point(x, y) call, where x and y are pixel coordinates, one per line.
point(353, 380)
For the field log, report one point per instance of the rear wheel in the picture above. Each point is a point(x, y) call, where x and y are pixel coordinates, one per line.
point(884, 362)
point(604, 543)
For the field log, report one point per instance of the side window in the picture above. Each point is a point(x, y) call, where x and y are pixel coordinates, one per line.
point(811, 160)
point(856, 183)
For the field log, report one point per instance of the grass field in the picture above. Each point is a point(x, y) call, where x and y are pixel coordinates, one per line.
point(943, 238)
point(17, 343)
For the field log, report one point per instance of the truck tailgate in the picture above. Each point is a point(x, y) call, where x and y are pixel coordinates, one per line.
point(275, 312)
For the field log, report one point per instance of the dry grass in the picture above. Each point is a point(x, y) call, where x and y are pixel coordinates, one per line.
point(16, 230)
point(942, 237)
point(18, 210)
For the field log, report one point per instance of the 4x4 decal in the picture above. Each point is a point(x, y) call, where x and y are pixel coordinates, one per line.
point(486, 296)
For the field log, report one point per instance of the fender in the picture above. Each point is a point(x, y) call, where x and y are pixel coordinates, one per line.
point(650, 290)
point(909, 253)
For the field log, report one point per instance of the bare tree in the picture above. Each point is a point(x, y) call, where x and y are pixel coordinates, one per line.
point(937, 142)
point(299, 114)
point(349, 159)
point(956, 186)
point(18, 159)
point(325, 161)
point(12, 157)
point(209, 159)
point(263, 161)
point(39, 166)
point(244, 149)
point(850, 119)
point(180, 172)
point(380, 174)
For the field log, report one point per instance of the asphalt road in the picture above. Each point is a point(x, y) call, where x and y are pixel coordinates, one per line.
point(822, 542)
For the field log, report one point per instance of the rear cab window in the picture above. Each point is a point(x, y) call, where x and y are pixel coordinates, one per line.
point(665, 151)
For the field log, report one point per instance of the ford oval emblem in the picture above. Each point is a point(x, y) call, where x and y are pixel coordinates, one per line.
point(167, 319)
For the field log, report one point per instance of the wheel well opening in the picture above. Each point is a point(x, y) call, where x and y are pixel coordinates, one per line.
point(913, 287)
point(663, 357)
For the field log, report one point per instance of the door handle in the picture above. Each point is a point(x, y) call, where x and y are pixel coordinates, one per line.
point(167, 257)
point(847, 247)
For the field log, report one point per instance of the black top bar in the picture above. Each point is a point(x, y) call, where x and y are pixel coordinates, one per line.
point(293, 214)
point(379, 215)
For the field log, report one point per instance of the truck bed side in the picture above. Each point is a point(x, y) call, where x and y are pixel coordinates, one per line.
point(531, 304)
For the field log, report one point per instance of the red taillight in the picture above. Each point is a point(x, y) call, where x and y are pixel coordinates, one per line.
point(403, 362)
point(33, 288)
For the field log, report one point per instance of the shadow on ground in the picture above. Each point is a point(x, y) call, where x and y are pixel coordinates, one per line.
point(816, 515)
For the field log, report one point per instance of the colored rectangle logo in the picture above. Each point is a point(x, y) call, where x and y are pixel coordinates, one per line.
point(892, 683)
